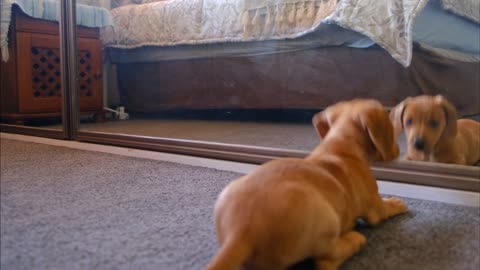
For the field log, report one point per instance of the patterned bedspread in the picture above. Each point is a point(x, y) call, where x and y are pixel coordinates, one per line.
point(469, 9)
point(207, 21)
point(174, 22)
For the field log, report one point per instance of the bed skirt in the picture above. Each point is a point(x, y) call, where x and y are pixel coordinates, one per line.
point(307, 79)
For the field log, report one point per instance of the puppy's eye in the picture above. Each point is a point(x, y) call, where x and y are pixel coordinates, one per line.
point(409, 122)
point(433, 123)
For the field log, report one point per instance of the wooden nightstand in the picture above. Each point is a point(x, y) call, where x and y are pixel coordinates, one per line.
point(31, 79)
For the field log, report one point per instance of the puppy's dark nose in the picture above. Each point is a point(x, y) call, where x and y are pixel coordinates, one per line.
point(419, 144)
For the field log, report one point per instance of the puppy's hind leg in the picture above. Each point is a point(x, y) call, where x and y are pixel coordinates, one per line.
point(385, 208)
point(346, 246)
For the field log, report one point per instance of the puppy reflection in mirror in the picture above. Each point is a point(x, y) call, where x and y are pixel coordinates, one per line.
point(433, 132)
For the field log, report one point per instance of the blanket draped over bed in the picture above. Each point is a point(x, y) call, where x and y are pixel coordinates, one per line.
point(469, 9)
point(175, 22)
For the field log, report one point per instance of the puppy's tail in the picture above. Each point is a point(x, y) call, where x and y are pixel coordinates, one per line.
point(231, 255)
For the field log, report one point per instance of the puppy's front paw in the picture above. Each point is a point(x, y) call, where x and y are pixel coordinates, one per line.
point(356, 239)
point(395, 205)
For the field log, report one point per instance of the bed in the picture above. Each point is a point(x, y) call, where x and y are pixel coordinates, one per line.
point(292, 54)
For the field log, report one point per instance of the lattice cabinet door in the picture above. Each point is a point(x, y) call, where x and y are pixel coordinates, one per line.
point(90, 68)
point(39, 73)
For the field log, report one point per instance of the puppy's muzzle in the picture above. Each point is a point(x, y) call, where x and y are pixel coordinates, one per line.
point(419, 144)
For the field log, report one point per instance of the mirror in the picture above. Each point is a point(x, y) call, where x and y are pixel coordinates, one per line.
point(30, 67)
point(254, 74)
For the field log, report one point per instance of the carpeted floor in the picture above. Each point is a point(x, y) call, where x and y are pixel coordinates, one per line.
point(71, 209)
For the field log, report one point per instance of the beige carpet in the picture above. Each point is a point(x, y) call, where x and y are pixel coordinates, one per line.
point(70, 209)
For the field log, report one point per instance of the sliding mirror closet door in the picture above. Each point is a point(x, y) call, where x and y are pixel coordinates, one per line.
point(250, 75)
point(158, 85)
point(31, 71)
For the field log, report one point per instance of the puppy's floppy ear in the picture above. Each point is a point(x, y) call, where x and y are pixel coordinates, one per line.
point(396, 116)
point(321, 123)
point(381, 133)
point(450, 130)
point(323, 120)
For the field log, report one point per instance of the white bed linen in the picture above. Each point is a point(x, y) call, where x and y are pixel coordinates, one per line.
point(183, 22)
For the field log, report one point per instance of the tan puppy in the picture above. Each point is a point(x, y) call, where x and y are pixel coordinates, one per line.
point(434, 133)
point(291, 209)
